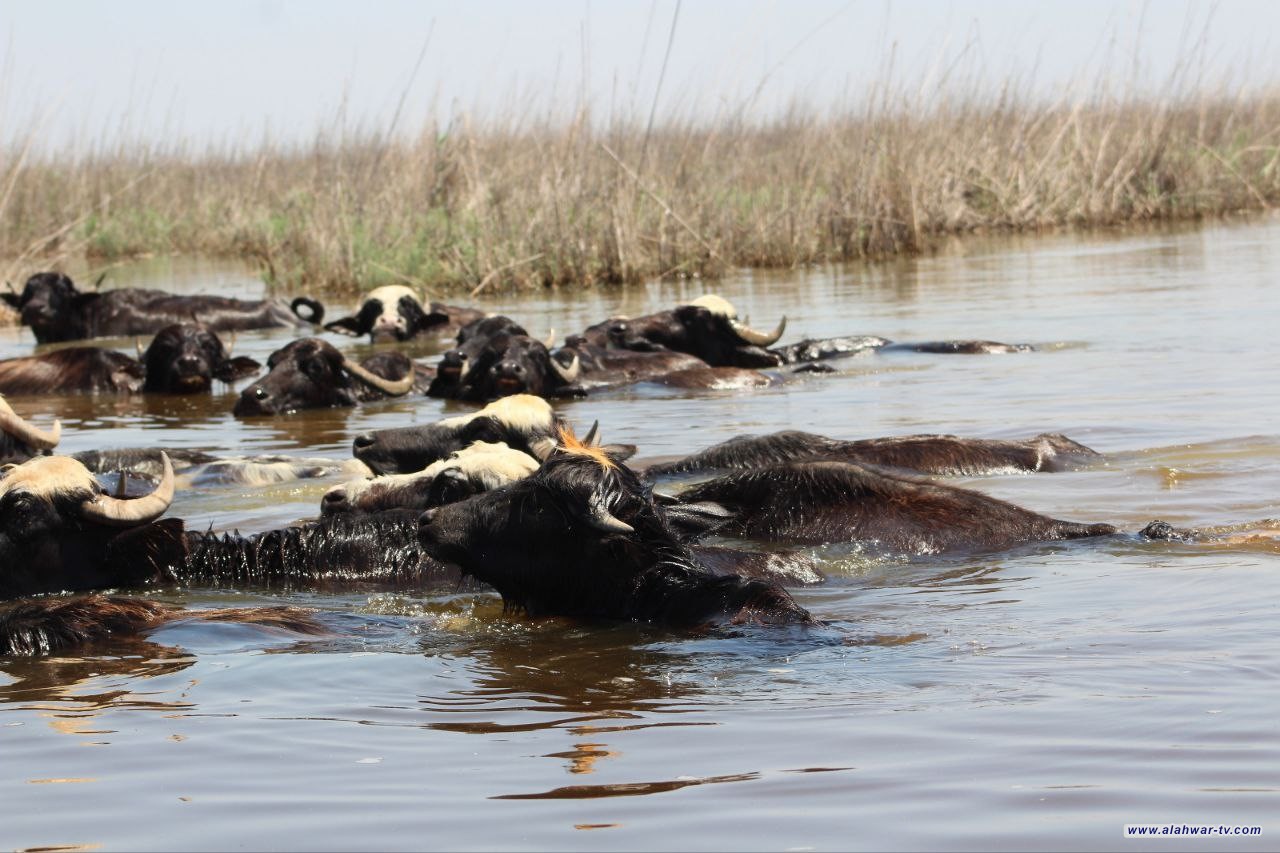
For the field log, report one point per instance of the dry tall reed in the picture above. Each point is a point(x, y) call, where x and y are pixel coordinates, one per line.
point(529, 204)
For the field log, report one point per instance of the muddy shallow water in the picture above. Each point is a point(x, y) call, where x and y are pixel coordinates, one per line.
point(1036, 699)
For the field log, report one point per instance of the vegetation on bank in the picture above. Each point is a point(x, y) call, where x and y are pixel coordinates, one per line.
point(470, 207)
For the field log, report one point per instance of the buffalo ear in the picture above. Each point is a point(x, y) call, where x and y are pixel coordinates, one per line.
point(13, 299)
point(691, 522)
point(346, 326)
point(237, 368)
point(619, 452)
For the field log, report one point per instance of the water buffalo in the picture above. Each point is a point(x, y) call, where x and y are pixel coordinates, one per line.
point(200, 469)
point(60, 531)
point(474, 469)
point(479, 347)
point(396, 313)
point(312, 374)
point(821, 502)
point(928, 454)
point(19, 440)
point(43, 625)
point(56, 311)
point(183, 358)
point(708, 328)
point(584, 538)
point(522, 421)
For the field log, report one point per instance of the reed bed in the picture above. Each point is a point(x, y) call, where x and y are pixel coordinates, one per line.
point(582, 202)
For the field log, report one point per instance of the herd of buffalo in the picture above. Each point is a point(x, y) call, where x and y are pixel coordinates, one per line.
point(508, 496)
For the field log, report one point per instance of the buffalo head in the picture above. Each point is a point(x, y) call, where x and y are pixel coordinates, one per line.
point(523, 422)
point(475, 469)
point(312, 374)
point(583, 537)
point(185, 358)
point(60, 531)
point(708, 327)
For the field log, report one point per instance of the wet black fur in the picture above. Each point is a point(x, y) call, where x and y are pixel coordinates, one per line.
point(930, 454)
point(818, 502)
point(339, 552)
point(531, 541)
point(56, 311)
point(308, 374)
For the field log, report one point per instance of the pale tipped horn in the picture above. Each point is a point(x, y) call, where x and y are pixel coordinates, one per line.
point(142, 351)
point(591, 439)
point(11, 423)
point(599, 517)
point(393, 387)
point(760, 339)
point(551, 338)
point(131, 513)
point(568, 374)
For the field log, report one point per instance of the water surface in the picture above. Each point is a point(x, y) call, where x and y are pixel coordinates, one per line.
point(1035, 699)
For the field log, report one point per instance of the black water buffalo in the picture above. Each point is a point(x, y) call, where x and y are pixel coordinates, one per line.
point(183, 358)
point(59, 531)
point(523, 422)
point(396, 313)
point(43, 625)
point(197, 468)
point(479, 347)
point(312, 374)
point(928, 454)
point(56, 311)
point(708, 328)
point(584, 538)
point(478, 468)
point(19, 440)
point(821, 502)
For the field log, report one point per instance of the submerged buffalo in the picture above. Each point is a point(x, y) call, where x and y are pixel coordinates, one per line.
point(44, 625)
point(928, 454)
point(478, 468)
point(183, 358)
point(56, 311)
point(312, 374)
point(523, 422)
point(584, 538)
point(707, 328)
point(396, 313)
point(20, 440)
point(822, 502)
point(60, 531)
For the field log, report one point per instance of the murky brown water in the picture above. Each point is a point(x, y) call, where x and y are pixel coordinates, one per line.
point(1039, 699)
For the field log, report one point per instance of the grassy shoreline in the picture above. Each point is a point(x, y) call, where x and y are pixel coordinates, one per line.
point(473, 208)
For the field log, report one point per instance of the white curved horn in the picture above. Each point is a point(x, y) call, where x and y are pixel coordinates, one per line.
point(131, 513)
point(393, 387)
point(760, 339)
point(568, 374)
point(11, 423)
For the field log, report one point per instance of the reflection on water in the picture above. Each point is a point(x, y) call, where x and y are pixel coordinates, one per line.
point(1037, 698)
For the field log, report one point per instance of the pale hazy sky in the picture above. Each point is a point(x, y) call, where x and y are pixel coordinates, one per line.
point(87, 70)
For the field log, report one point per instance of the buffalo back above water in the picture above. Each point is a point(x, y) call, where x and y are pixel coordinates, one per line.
point(56, 310)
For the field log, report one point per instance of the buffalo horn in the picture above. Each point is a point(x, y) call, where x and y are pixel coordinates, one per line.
point(142, 351)
point(551, 339)
point(760, 339)
point(591, 439)
point(25, 432)
point(568, 374)
point(599, 517)
point(394, 387)
point(130, 513)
